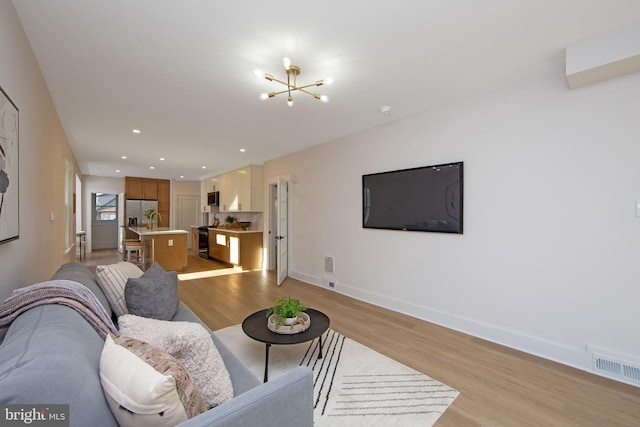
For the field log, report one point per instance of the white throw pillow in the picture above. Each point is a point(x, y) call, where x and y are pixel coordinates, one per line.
point(145, 386)
point(192, 345)
point(112, 279)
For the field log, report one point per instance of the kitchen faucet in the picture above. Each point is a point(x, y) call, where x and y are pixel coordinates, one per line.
point(151, 218)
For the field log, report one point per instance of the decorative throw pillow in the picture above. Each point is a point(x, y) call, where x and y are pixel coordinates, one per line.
point(145, 386)
point(192, 345)
point(154, 294)
point(112, 279)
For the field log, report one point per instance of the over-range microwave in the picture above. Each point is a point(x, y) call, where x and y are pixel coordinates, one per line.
point(213, 198)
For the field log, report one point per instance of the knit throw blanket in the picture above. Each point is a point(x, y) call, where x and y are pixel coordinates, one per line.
point(65, 292)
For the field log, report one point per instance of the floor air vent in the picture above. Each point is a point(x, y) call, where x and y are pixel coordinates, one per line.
point(615, 366)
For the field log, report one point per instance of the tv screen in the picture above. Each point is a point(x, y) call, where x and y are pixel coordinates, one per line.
point(427, 198)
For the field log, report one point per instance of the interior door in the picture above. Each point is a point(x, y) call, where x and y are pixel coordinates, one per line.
point(188, 214)
point(282, 212)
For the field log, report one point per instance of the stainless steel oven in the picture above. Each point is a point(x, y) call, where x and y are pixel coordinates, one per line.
point(203, 242)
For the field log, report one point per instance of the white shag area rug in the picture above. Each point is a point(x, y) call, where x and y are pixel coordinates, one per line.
point(353, 384)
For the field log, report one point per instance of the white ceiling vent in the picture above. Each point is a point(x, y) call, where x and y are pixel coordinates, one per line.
point(615, 366)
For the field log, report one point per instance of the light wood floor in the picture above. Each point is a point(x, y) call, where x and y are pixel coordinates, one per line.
point(498, 386)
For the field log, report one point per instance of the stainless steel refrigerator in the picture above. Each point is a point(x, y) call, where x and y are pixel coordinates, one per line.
point(135, 209)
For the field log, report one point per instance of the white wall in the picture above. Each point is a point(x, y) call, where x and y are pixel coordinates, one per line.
point(41, 247)
point(550, 256)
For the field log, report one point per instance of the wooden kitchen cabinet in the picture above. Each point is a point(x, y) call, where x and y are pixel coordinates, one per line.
point(242, 249)
point(219, 246)
point(195, 240)
point(151, 189)
point(133, 188)
point(163, 189)
point(146, 188)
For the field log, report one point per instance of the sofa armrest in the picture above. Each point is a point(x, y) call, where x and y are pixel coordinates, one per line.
point(285, 401)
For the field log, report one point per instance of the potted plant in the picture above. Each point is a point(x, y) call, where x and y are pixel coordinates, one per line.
point(229, 221)
point(286, 311)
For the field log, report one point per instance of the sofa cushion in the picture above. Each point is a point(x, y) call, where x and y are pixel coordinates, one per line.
point(192, 345)
point(146, 386)
point(112, 279)
point(79, 273)
point(51, 355)
point(154, 294)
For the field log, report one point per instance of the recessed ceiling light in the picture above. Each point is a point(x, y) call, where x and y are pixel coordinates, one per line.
point(117, 170)
point(182, 176)
point(242, 150)
point(123, 157)
point(162, 159)
point(152, 167)
point(204, 167)
point(136, 131)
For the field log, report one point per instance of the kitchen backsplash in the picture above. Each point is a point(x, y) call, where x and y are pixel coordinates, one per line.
point(254, 217)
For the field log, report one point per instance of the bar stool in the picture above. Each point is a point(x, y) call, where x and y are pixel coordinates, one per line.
point(134, 252)
point(124, 243)
point(82, 237)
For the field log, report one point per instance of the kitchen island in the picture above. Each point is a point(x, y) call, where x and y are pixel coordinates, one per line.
point(164, 245)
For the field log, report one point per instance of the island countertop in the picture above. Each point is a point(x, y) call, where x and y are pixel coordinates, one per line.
point(144, 231)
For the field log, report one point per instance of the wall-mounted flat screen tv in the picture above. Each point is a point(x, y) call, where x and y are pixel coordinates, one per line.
point(427, 198)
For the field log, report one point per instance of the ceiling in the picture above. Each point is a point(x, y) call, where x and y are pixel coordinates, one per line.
point(182, 71)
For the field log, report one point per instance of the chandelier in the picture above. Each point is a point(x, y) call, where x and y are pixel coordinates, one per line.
point(293, 71)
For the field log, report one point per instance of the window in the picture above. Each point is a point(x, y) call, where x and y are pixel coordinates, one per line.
point(105, 207)
point(68, 214)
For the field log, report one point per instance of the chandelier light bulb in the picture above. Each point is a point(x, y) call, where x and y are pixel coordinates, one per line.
point(328, 80)
point(286, 62)
point(264, 96)
point(290, 102)
point(258, 73)
point(324, 98)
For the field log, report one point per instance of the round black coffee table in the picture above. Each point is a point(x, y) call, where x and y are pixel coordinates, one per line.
point(255, 326)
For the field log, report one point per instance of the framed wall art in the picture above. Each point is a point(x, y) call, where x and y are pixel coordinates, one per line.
point(9, 174)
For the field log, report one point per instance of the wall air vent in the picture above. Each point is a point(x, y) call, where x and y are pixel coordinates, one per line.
point(329, 264)
point(615, 366)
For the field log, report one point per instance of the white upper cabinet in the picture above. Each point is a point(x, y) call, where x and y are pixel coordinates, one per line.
point(241, 190)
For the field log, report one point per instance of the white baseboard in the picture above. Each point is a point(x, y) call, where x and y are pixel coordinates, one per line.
point(559, 353)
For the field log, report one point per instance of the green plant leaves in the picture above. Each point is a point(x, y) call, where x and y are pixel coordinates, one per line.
point(285, 308)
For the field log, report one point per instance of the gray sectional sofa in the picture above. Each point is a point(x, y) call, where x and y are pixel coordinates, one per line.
point(50, 355)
